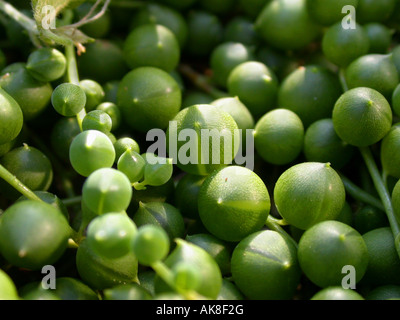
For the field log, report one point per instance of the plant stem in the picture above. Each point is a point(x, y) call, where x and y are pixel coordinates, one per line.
point(18, 185)
point(73, 76)
point(88, 19)
point(72, 72)
point(382, 191)
point(26, 22)
point(281, 222)
point(72, 201)
point(201, 81)
point(342, 79)
point(361, 195)
point(272, 224)
point(128, 4)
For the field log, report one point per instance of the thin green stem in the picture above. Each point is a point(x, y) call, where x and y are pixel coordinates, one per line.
point(26, 22)
point(132, 4)
point(281, 222)
point(201, 81)
point(72, 72)
point(18, 185)
point(359, 194)
point(385, 178)
point(73, 77)
point(382, 190)
point(89, 18)
point(342, 79)
point(72, 201)
point(273, 225)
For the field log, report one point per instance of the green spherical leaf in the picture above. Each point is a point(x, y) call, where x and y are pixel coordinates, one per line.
point(31, 166)
point(205, 32)
point(390, 155)
point(149, 98)
point(113, 111)
point(163, 215)
point(111, 234)
point(91, 150)
point(68, 99)
point(33, 234)
point(94, 93)
point(255, 85)
point(103, 61)
point(326, 248)
point(107, 190)
point(225, 57)
point(362, 117)
point(52, 199)
point(132, 165)
point(286, 24)
point(97, 120)
point(309, 193)
point(372, 11)
point(62, 134)
point(152, 45)
point(374, 71)
point(310, 92)
point(186, 195)
point(101, 273)
point(127, 292)
point(322, 144)
point(336, 294)
point(150, 245)
point(342, 46)
point(8, 288)
point(328, 12)
point(155, 13)
point(190, 254)
point(380, 37)
point(31, 95)
point(218, 249)
point(383, 262)
point(206, 139)
point(279, 136)
point(157, 171)
point(125, 144)
point(233, 203)
point(46, 64)
point(265, 266)
point(11, 118)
